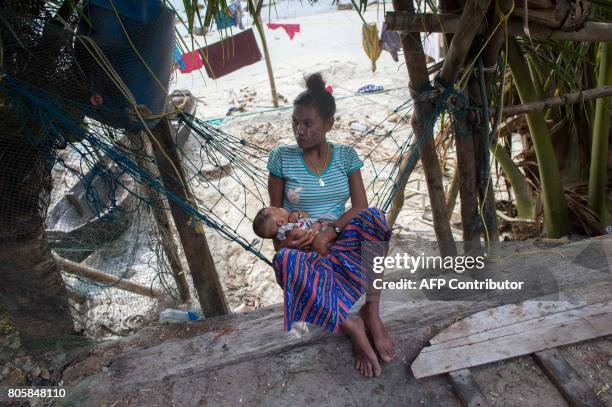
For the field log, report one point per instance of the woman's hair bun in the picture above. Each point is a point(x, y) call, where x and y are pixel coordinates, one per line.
point(315, 83)
point(316, 95)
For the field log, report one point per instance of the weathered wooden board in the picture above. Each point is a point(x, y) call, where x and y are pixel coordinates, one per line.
point(525, 330)
point(548, 320)
point(567, 380)
point(511, 314)
point(247, 359)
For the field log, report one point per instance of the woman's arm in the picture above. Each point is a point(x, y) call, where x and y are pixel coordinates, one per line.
point(359, 199)
point(276, 189)
point(359, 202)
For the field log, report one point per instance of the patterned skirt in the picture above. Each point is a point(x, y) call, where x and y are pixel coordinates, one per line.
point(322, 289)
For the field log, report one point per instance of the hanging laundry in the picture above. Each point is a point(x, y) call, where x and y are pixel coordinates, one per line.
point(192, 61)
point(231, 54)
point(178, 59)
point(290, 29)
point(390, 41)
point(371, 43)
point(224, 20)
point(370, 89)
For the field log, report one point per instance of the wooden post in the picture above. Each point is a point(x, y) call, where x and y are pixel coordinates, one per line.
point(486, 199)
point(469, 25)
point(201, 264)
point(262, 36)
point(406, 167)
point(423, 110)
point(468, 190)
point(161, 219)
point(451, 194)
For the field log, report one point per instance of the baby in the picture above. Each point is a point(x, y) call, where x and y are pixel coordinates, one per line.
point(279, 223)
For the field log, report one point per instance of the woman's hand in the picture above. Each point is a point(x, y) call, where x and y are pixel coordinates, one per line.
point(323, 241)
point(300, 239)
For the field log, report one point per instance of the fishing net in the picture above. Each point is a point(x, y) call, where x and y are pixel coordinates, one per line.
point(88, 240)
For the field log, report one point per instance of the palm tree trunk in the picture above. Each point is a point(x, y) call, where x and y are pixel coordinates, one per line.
point(32, 289)
point(522, 193)
point(601, 131)
point(555, 208)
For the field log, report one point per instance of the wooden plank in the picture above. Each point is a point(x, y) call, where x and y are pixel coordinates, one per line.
point(500, 317)
point(467, 389)
point(510, 314)
point(539, 335)
point(527, 325)
point(567, 380)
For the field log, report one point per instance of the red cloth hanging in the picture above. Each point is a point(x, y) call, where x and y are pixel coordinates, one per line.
point(192, 61)
point(290, 29)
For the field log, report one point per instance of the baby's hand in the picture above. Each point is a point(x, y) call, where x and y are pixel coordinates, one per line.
point(294, 217)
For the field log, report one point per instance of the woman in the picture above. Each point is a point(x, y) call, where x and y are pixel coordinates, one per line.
point(322, 285)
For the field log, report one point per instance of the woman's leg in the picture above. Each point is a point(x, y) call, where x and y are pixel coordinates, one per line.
point(370, 313)
point(366, 360)
point(370, 227)
point(297, 273)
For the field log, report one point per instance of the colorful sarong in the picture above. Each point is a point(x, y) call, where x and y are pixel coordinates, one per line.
point(321, 290)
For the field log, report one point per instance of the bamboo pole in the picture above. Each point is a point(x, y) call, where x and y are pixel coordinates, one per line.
point(200, 261)
point(90, 273)
point(423, 111)
point(264, 43)
point(567, 99)
point(445, 23)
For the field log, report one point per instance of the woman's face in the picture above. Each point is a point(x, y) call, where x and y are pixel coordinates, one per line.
point(309, 128)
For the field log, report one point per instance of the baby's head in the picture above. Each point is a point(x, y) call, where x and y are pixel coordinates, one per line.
point(268, 220)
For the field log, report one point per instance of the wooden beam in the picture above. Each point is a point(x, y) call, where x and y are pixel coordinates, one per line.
point(567, 99)
point(90, 273)
point(162, 220)
point(569, 383)
point(200, 261)
point(467, 389)
point(407, 165)
point(423, 128)
point(447, 23)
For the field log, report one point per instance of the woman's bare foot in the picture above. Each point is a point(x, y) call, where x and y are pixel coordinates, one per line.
point(383, 343)
point(366, 360)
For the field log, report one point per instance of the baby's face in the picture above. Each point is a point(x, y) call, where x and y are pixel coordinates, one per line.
point(280, 216)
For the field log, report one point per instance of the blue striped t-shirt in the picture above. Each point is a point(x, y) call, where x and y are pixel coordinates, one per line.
point(303, 191)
